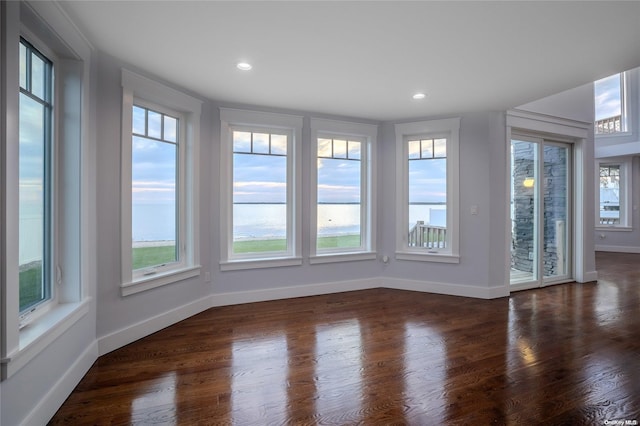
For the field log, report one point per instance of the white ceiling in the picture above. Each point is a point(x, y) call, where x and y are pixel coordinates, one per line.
point(365, 59)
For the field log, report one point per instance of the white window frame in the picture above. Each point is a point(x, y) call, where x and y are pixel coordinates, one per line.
point(144, 92)
point(71, 242)
point(626, 188)
point(367, 135)
point(256, 121)
point(449, 128)
point(625, 127)
point(51, 240)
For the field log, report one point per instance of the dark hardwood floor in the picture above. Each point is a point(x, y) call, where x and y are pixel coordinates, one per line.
point(566, 354)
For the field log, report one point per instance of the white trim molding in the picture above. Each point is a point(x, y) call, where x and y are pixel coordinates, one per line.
point(258, 121)
point(140, 90)
point(129, 334)
point(366, 135)
point(449, 129)
point(580, 134)
point(446, 288)
point(618, 249)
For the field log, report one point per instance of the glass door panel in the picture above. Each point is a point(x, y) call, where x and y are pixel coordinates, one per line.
point(556, 211)
point(540, 213)
point(524, 211)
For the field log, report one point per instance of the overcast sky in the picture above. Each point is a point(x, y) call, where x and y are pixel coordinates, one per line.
point(607, 97)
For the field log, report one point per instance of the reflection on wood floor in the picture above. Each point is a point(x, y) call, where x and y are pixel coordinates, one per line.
point(567, 354)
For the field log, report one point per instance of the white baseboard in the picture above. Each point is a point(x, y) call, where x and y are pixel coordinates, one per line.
point(130, 334)
point(235, 298)
point(618, 249)
point(444, 288)
point(590, 276)
point(52, 401)
point(122, 337)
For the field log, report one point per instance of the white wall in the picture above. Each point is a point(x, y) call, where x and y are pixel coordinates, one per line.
point(480, 272)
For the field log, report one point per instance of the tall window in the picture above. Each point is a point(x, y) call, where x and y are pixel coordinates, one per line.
point(260, 189)
point(35, 177)
point(342, 191)
point(260, 192)
point(154, 175)
point(339, 220)
point(160, 134)
point(610, 104)
point(427, 204)
point(614, 193)
point(427, 190)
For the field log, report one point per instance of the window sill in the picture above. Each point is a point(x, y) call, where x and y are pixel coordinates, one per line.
point(614, 228)
point(235, 265)
point(342, 257)
point(613, 135)
point(427, 257)
point(41, 332)
point(159, 280)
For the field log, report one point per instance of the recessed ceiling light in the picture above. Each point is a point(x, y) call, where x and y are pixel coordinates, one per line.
point(244, 66)
point(419, 96)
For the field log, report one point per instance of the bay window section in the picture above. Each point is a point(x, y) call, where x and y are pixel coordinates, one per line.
point(160, 144)
point(427, 191)
point(260, 189)
point(35, 179)
point(342, 195)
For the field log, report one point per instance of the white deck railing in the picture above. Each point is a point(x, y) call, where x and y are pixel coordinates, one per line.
point(428, 236)
point(609, 125)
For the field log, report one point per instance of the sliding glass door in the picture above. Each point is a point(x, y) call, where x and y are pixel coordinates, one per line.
point(540, 212)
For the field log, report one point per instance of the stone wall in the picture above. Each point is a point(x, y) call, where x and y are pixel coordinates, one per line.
point(555, 190)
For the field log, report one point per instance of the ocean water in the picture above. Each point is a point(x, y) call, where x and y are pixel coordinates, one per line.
point(157, 222)
point(252, 221)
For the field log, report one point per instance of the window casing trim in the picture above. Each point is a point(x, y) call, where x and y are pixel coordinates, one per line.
point(73, 202)
point(431, 129)
point(626, 194)
point(142, 91)
point(237, 119)
point(366, 134)
point(183, 262)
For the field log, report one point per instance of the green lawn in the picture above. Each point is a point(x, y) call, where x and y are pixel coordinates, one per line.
point(144, 257)
point(149, 256)
point(342, 241)
point(30, 285)
point(260, 246)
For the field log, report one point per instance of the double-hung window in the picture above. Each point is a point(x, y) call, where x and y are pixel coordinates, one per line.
point(614, 210)
point(260, 221)
point(36, 175)
point(342, 176)
point(159, 184)
point(610, 105)
point(427, 190)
